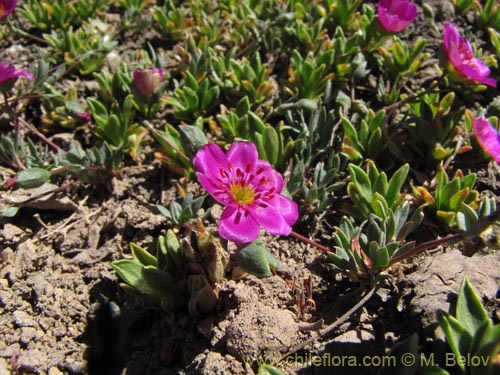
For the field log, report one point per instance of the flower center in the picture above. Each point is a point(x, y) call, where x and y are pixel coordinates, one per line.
point(242, 195)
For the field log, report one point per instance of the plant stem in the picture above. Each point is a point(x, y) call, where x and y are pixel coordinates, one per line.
point(54, 191)
point(40, 135)
point(451, 239)
point(310, 242)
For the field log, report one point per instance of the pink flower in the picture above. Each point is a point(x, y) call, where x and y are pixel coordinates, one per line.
point(84, 116)
point(465, 66)
point(488, 137)
point(396, 15)
point(7, 7)
point(146, 81)
point(9, 75)
point(249, 188)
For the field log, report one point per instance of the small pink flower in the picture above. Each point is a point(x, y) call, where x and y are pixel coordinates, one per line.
point(249, 188)
point(396, 15)
point(465, 66)
point(488, 137)
point(7, 7)
point(84, 116)
point(9, 75)
point(146, 81)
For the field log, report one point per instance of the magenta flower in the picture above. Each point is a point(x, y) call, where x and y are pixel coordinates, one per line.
point(7, 7)
point(249, 188)
point(9, 75)
point(146, 81)
point(465, 67)
point(396, 15)
point(488, 137)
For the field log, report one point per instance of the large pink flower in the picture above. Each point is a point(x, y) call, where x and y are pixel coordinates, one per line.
point(7, 7)
point(462, 59)
point(9, 75)
point(488, 137)
point(396, 15)
point(249, 188)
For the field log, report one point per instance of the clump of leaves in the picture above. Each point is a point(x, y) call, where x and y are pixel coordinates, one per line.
point(373, 193)
point(470, 332)
point(182, 274)
point(363, 252)
point(449, 196)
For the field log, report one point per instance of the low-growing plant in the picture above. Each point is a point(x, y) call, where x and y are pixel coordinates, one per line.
point(182, 274)
point(85, 48)
point(363, 252)
point(449, 196)
point(371, 192)
point(434, 127)
point(470, 332)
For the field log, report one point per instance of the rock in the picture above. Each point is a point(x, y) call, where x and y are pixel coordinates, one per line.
point(355, 336)
point(258, 332)
point(4, 366)
point(27, 334)
point(437, 281)
point(12, 233)
point(7, 256)
point(23, 319)
point(55, 371)
point(45, 202)
point(33, 358)
point(214, 363)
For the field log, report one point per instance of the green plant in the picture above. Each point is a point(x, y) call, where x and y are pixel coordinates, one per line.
point(243, 77)
point(363, 252)
point(177, 144)
point(182, 274)
point(243, 123)
point(171, 20)
point(116, 124)
point(449, 196)
point(184, 212)
point(85, 48)
point(309, 76)
point(433, 127)
point(373, 193)
point(470, 332)
point(365, 140)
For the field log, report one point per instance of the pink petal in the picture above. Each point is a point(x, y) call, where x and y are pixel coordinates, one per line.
point(237, 225)
point(474, 74)
point(275, 179)
point(241, 154)
point(450, 35)
point(209, 160)
point(270, 219)
point(396, 15)
point(488, 137)
point(286, 207)
point(7, 8)
point(210, 185)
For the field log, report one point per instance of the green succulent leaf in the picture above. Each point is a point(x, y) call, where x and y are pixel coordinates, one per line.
point(256, 259)
point(32, 177)
point(130, 271)
point(266, 369)
point(457, 337)
point(143, 256)
point(470, 311)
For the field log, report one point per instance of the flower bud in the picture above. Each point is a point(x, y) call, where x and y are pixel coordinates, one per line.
point(146, 81)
